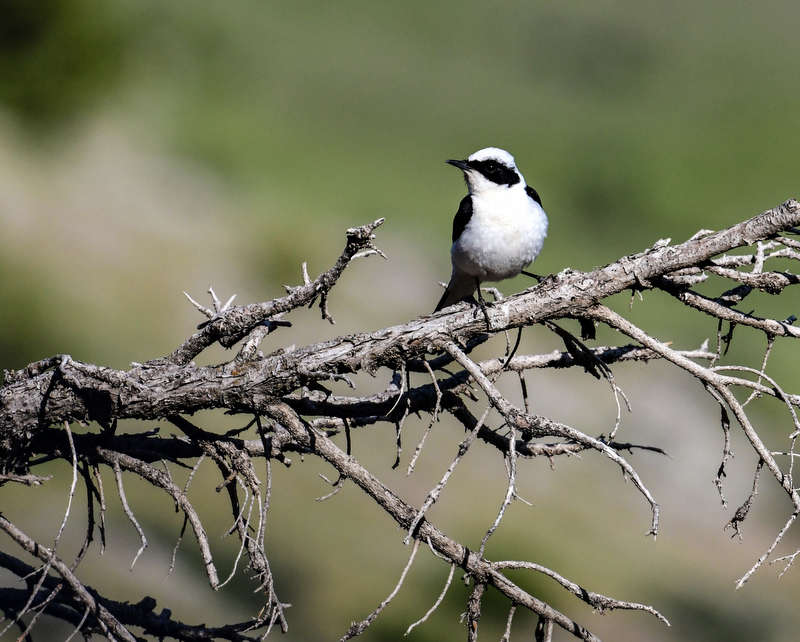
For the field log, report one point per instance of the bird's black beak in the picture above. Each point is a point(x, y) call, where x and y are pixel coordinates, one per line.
point(461, 164)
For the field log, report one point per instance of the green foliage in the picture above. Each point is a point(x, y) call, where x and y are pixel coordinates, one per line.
point(57, 57)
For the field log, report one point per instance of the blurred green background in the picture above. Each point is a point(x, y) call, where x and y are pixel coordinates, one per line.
point(152, 147)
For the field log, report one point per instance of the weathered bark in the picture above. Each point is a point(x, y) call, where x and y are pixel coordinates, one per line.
point(293, 412)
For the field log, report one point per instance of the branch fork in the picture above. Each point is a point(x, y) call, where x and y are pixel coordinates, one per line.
point(282, 397)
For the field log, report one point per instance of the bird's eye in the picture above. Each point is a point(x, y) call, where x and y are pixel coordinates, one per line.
point(491, 166)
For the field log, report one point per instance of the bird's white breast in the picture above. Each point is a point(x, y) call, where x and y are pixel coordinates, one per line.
point(505, 233)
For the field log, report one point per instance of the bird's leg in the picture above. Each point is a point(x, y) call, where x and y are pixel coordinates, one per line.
point(532, 275)
point(482, 303)
point(514, 349)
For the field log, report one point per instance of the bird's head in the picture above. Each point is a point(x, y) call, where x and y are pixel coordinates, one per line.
point(488, 169)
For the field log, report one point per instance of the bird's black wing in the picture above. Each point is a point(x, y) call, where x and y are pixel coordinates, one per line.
point(463, 215)
point(533, 194)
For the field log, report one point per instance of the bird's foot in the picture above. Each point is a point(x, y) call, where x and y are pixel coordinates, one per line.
point(485, 311)
point(538, 278)
point(483, 306)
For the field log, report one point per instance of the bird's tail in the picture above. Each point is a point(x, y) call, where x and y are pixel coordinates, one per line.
point(460, 287)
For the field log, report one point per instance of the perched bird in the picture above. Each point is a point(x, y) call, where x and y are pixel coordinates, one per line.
point(499, 228)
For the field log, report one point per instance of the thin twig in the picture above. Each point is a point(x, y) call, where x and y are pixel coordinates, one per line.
point(434, 418)
point(185, 517)
point(357, 628)
point(108, 623)
point(741, 581)
point(72, 485)
point(438, 601)
point(430, 500)
point(510, 490)
point(79, 625)
point(540, 426)
point(124, 501)
point(595, 600)
point(507, 634)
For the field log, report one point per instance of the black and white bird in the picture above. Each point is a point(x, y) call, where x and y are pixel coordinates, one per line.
point(499, 228)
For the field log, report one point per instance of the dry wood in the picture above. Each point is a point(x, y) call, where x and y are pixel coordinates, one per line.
point(284, 394)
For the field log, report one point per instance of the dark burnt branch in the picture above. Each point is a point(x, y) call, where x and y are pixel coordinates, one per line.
point(282, 399)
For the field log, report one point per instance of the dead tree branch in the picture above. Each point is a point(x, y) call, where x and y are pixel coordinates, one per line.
point(283, 398)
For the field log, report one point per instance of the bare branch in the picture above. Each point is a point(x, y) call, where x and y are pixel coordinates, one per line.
point(511, 490)
point(128, 511)
point(283, 395)
point(108, 622)
point(474, 611)
point(741, 581)
point(438, 600)
point(596, 601)
point(434, 495)
point(507, 634)
point(533, 426)
point(231, 325)
point(357, 628)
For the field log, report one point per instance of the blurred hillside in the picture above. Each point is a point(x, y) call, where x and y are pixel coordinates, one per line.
point(153, 147)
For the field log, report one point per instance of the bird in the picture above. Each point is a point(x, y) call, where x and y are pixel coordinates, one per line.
point(499, 228)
